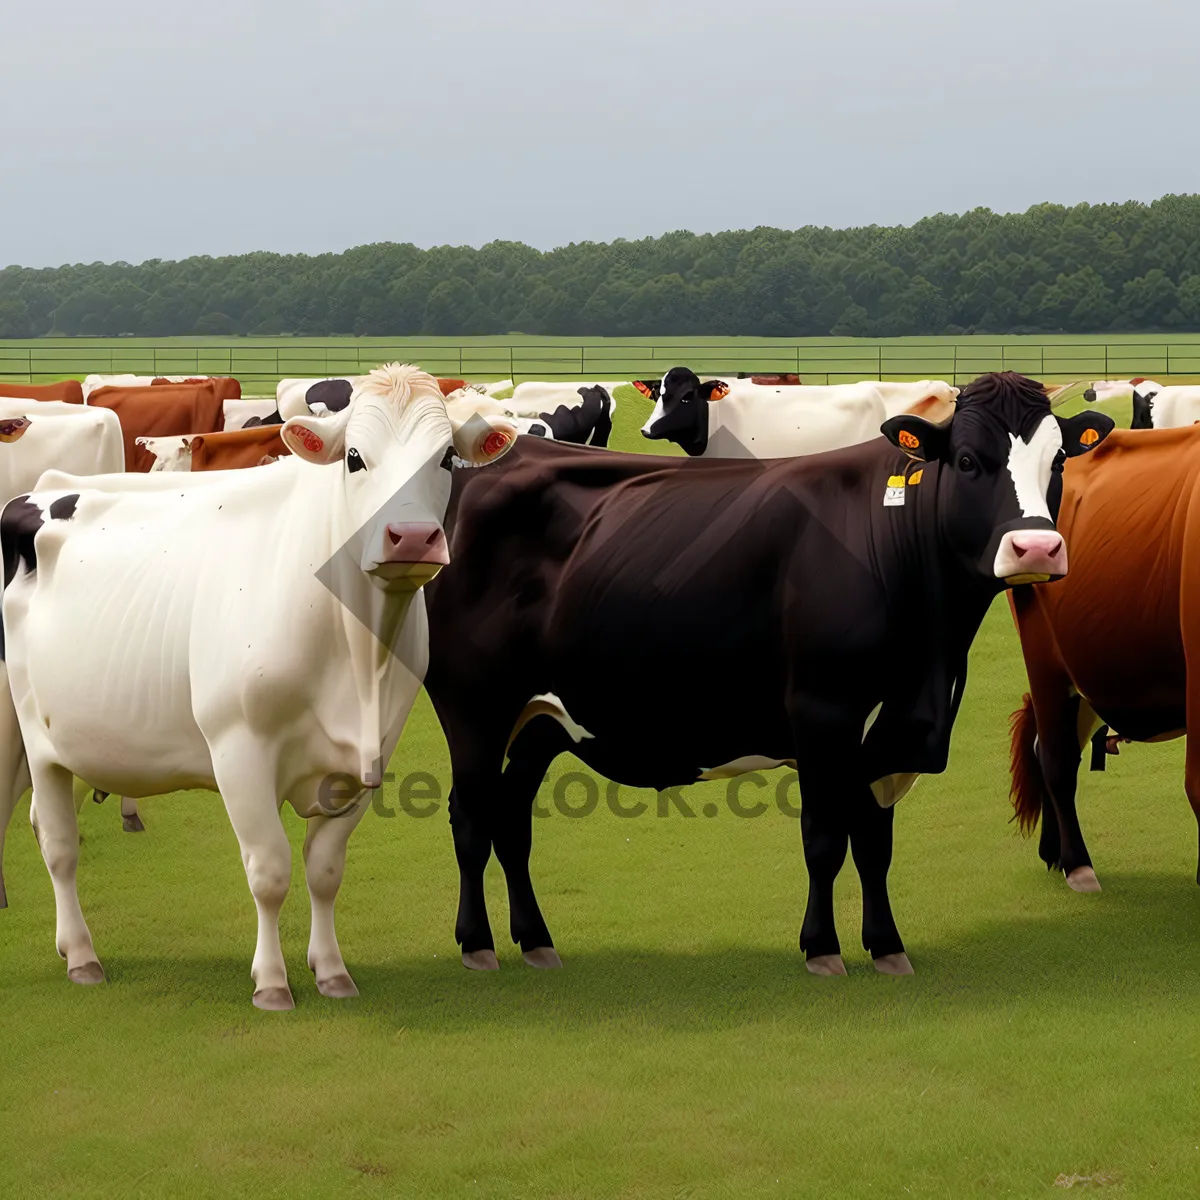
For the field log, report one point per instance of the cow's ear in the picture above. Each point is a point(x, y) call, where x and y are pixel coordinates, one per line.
point(714, 389)
point(1084, 431)
point(648, 387)
point(317, 440)
point(481, 440)
point(918, 438)
point(14, 428)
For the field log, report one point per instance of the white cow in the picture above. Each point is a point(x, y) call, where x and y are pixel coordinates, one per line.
point(92, 382)
point(40, 435)
point(719, 419)
point(139, 659)
point(1154, 406)
point(236, 413)
point(588, 421)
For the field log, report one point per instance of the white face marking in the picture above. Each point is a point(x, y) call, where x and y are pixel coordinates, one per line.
point(659, 411)
point(1029, 465)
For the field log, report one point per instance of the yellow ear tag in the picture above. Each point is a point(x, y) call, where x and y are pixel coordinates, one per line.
point(915, 477)
point(893, 497)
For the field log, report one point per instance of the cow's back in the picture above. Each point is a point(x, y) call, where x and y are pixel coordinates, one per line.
point(69, 391)
point(799, 421)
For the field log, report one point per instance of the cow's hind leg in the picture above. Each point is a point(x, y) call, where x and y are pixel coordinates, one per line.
point(246, 780)
point(57, 831)
point(324, 864)
point(1063, 729)
point(533, 752)
point(131, 820)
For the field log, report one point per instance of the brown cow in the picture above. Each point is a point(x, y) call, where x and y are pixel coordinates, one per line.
point(161, 412)
point(69, 391)
point(451, 385)
point(237, 449)
point(227, 387)
point(1109, 643)
point(772, 380)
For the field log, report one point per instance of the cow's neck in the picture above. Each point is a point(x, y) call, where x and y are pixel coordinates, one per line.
point(936, 607)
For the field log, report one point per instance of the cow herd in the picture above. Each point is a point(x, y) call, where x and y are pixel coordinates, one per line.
point(802, 587)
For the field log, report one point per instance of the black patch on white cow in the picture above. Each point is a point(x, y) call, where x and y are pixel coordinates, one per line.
point(333, 393)
point(537, 429)
point(273, 419)
point(19, 524)
point(589, 423)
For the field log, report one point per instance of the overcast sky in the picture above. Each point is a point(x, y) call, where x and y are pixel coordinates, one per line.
point(136, 129)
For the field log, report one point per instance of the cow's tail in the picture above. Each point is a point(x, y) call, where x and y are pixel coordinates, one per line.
point(1029, 794)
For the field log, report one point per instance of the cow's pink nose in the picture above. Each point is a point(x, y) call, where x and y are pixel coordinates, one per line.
point(1040, 544)
point(415, 542)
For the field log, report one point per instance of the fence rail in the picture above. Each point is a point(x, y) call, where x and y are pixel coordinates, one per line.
point(958, 362)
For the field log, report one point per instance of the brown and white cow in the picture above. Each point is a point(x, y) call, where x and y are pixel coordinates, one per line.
point(1111, 643)
point(161, 411)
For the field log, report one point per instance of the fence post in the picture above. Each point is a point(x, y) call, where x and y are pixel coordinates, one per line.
point(1105, 360)
point(797, 360)
point(1042, 371)
point(581, 367)
point(954, 370)
point(879, 372)
point(512, 374)
point(460, 350)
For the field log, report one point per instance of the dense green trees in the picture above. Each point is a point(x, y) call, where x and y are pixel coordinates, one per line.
point(1088, 269)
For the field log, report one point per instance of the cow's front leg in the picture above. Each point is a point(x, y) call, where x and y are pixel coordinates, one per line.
point(324, 864)
point(246, 780)
point(57, 830)
point(472, 848)
point(871, 846)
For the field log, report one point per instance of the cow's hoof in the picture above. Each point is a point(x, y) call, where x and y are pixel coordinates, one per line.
point(826, 964)
point(98, 797)
point(4, 895)
point(133, 824)
point(86, 973)
point(1083, 879)
point(481, 960)
point(276, 999)
point(893, 964)
point(337, 987)
point(545, 958)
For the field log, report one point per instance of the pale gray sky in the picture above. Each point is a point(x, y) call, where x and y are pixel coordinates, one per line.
point(136, 129)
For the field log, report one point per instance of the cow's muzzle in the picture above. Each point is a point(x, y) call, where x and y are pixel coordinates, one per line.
point(1031, 556)
point(412, 551)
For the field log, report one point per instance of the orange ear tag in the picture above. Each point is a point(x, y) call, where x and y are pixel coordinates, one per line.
point(1089, 437)
point(909, 441)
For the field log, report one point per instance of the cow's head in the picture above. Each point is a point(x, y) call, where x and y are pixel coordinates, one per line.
point(12, 429)
point(396, 445)
point(999, 482)
point(680, 408)
point(171, 453)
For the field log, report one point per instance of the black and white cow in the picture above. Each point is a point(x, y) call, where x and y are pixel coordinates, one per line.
point(586, 422)
point(669, 620)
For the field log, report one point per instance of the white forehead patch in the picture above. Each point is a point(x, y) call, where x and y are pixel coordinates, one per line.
point(1029, 465)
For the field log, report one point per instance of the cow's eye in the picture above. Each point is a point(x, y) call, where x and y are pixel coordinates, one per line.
point(966, 463)
point(354, 461)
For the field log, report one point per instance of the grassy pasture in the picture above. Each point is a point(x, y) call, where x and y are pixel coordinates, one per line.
point(1048, 1040)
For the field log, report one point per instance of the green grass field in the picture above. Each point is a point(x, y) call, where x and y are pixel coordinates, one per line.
point(1048, 1040)
point(260, 362)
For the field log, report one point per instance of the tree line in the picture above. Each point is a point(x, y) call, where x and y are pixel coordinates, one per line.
point(1128, 267)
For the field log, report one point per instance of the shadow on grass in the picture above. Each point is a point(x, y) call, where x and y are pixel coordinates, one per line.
point(1132, 945)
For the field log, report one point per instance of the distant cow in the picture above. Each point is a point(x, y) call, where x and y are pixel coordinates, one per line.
point(227, 451)
point(588, 422)
point(228, 387)
point(718, 419)
point(1116, 643)
point(253, 410)
point(160, 411)
point(811, 611)
point(1154, 406)
point(69, 391)
point(139, 657)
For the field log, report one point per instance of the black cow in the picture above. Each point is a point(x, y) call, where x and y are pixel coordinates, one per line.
point(668, 620)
